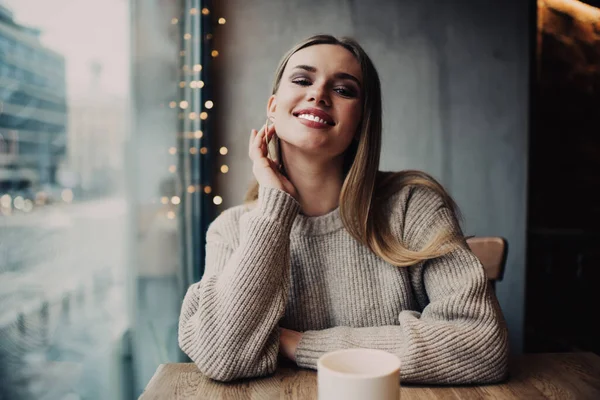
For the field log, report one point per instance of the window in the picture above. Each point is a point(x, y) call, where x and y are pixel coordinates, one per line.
point(95, 175)
point(63, 205)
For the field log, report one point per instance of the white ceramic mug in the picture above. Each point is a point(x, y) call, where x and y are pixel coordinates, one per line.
point(358, 374)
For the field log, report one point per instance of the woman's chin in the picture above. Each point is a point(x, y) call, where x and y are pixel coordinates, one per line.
point(310, 145)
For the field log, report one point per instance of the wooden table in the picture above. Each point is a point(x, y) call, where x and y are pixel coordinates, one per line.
point(532, 376)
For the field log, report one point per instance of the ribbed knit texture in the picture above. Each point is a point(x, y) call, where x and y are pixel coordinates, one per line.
point(272, 267)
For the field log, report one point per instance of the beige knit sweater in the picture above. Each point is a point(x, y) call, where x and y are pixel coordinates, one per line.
point(273, 267)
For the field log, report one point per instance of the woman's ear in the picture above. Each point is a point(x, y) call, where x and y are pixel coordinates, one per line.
point(271, 105)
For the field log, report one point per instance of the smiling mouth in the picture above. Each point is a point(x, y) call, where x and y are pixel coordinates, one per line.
point(311, 117)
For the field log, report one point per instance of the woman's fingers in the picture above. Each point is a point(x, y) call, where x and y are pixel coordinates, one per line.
point(264, 140)
point(257, 144)
point(251, 144)
point(252, 136)
point(259, 140)
point(265, 170)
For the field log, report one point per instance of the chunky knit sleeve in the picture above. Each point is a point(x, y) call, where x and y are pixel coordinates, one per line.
point(228, 320)
point(457, 336)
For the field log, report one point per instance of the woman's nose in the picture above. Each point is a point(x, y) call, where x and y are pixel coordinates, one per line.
point(318, 94)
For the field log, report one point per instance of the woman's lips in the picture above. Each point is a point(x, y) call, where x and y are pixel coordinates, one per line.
point(314, 115)
point(313, 124)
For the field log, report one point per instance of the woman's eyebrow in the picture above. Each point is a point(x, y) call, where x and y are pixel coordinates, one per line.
point(306, 68)
point(339, 75)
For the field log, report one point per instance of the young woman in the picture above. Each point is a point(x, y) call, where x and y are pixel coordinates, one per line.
point(330, 253)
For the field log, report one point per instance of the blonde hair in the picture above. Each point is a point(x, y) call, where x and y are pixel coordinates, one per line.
point(365, 188)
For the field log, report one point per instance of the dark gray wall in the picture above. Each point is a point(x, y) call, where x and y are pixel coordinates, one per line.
point(455, 87)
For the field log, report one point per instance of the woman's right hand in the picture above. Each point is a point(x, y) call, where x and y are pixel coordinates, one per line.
point(265, 170)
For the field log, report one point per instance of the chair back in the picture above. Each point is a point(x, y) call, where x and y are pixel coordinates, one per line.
point(492, 252)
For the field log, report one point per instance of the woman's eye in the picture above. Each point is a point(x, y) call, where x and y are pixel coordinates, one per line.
point(342, 90)
point(345, 91)
point(301, 82)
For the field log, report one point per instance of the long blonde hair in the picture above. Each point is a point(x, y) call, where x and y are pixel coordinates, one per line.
point(365, 188)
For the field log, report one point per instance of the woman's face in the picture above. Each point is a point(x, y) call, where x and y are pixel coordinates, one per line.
point(318, 106)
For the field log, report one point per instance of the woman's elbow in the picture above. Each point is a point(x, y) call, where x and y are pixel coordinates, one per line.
point(212, 365)
point(226, 367)
point(492, 363)
point(219, 371)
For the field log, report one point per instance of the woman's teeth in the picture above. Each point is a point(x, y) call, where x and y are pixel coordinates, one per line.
point(312, 118)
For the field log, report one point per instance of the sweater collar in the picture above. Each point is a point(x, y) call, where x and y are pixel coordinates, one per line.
point(319, 225)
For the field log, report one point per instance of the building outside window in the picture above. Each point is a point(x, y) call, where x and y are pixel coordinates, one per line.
point(94, 193)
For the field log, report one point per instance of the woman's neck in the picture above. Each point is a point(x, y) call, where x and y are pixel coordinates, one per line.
point(318, 184)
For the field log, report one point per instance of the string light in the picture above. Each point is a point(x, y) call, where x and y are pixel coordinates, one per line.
point(194, 115)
